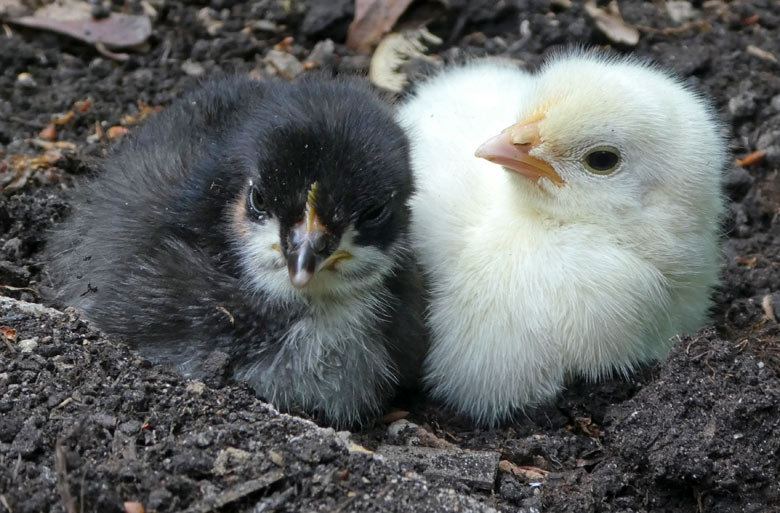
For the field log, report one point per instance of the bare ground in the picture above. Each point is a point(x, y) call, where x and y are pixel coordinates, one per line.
point(85, 425)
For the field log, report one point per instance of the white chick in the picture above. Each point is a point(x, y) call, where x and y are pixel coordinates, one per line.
point(585, 254)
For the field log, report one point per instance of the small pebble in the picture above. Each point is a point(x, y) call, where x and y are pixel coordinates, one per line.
point(283, 64)
point(28, 345)
point(26, 81)
point(192, 68)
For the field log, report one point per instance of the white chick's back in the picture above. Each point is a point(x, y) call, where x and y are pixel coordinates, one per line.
point(520, 301)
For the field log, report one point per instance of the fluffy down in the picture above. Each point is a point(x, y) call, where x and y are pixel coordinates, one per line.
point(545, 269)
point(266, 221)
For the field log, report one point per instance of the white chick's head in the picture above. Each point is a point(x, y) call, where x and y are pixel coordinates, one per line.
point(602, 139)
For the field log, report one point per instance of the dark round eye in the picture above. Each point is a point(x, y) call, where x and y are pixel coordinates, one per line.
point(374, 214)
point(255, 201)
point(603, 160)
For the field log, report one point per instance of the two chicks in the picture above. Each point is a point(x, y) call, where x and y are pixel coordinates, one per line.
point(282, 224)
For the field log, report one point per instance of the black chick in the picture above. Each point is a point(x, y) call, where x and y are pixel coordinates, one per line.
point(268, 221)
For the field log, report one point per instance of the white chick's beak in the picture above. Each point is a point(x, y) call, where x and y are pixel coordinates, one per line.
point(510, 149)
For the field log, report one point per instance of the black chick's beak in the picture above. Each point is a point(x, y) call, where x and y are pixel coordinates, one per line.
point(309, 243)
point(311, 246)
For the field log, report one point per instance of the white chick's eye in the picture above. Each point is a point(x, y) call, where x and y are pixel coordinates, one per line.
point(602, 160)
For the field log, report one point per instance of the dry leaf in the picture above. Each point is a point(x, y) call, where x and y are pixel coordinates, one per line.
point(22, 167)
point(74, 19)
point(373, 19)
point(611, 24)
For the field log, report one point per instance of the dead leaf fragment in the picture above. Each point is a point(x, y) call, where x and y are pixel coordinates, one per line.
point(49, 133)
point(761, 54)
point(395, 49)
point(64, 119)
point(522, 472)
point(228, 314)
point(134, 507)
point(117, 131)
point(391, 417)
point(751, 20)
point(611, 24)
point(769, 309)
point(373, 19)
point(75, 19)
point(20, 168)
point(9, 333)
point(285, 45)
point(750, 262)
point(752, 158)
point(83, 105)
point(589, 427)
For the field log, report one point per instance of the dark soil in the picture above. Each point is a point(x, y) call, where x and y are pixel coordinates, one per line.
point(85, 425)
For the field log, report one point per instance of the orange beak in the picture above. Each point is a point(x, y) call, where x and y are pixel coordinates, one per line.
point(510, 149)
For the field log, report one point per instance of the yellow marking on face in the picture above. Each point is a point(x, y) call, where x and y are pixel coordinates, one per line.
point(335, 258)
point(310, 218)
point(277, 247)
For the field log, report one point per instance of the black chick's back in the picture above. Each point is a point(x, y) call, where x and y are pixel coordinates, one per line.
point(148, 254)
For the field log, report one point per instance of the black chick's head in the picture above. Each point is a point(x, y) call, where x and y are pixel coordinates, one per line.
point(323, 208)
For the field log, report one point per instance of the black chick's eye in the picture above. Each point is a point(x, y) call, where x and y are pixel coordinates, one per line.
point(603, 160)
point(255, 203)
point(375, 214)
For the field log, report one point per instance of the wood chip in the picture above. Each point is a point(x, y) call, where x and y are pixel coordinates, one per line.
point(373, 19)
point(49, 133)
point(229, 315)
point(769, 308)
point(761, 54)
point(752, 158)
point(134, 507)
point(523, 472)
point(64, 119)
point(611, 24)
point(237, 493)
point(391, 417)
point(117, 131)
